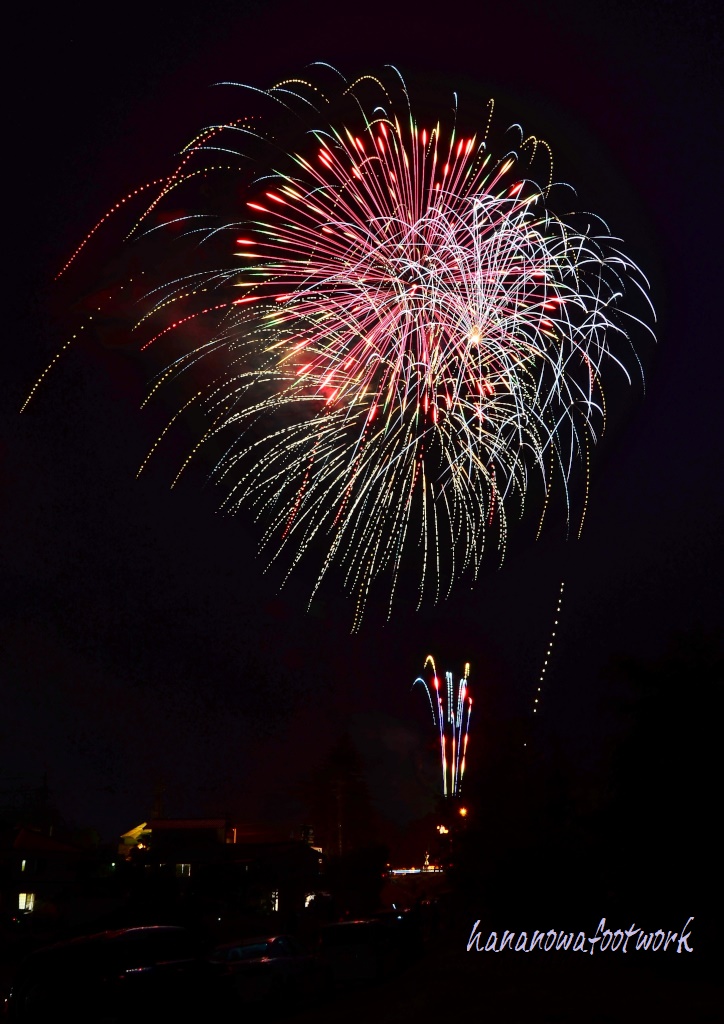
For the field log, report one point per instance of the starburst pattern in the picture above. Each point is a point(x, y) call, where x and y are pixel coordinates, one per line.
point(404, 335)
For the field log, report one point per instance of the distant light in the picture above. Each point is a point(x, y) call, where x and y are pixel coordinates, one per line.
point(416, 871)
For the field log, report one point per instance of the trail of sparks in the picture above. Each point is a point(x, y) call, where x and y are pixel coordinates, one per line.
point(451, 708)
point(549, 653)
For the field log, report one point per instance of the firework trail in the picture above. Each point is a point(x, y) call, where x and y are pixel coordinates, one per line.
point(549, 653)
point(402, 341)
point(452, 721)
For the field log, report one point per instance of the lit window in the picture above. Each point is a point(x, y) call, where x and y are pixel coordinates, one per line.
point(23, 865)
point(183, 870)
point(275, 899)
point(26, 900)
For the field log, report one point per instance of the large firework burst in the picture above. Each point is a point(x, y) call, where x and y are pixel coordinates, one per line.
point(403, 334)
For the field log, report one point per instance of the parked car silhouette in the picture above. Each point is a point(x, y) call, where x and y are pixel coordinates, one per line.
point(106, 977)
point(407, 933)
point(270, 968)
point(359, 951)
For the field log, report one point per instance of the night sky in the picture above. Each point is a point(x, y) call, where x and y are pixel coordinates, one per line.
point(141, 642)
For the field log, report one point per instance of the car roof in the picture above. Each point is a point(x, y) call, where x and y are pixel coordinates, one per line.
point(102, 943)
point(255, 941)
point(351, 924)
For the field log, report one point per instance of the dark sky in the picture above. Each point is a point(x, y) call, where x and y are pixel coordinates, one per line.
point(140, 640)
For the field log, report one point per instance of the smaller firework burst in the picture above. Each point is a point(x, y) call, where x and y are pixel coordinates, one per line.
point(451, 707)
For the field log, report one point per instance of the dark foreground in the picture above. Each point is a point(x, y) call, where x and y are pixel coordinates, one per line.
point(445, 981)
